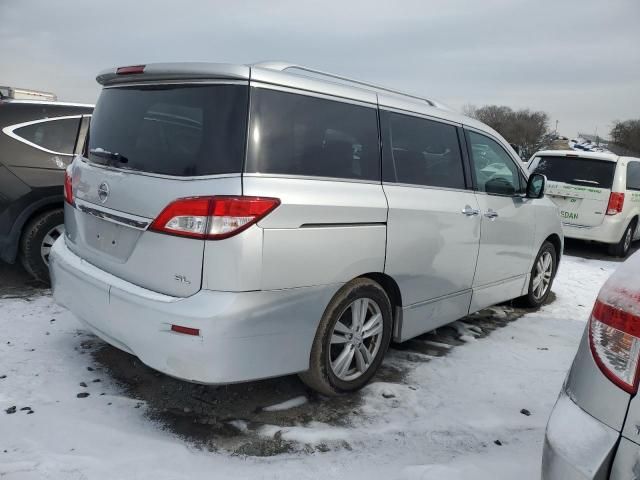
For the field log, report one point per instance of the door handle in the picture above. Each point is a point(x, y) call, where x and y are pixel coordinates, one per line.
point(491, 214)
point(470, 212)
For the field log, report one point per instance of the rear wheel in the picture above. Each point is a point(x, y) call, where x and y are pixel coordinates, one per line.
point(37, 239)
point(542, 275)
point(351, 340)
point(621, 249)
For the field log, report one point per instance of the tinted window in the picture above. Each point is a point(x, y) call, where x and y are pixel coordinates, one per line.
point(633, 176)
point(181, 130)
point(494, 169)
point(300, 135)
point(56, 135)
point(425, 152)
point(576, 171)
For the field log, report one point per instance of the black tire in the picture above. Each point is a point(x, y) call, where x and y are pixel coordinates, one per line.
point(621, 249)
point(532, 300)
point(320, 376)
point(31, 243)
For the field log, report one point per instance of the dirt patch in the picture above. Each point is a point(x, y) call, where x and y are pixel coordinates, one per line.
point(237, 418)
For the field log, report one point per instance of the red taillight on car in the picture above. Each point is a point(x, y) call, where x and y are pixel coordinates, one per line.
point(130, 70)
point(212, 218)
point(616, 202)
point(68, 188)
point(614, 336)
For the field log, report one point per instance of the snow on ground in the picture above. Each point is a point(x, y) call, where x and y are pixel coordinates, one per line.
point(454, 417)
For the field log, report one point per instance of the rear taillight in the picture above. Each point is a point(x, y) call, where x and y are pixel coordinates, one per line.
point(616, 202)
point(68, 188)
point(614, 336)
point(133, 69)
point(212, 218)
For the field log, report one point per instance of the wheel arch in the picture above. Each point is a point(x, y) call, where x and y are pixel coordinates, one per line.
point(555, 240)
point(10, 252)
point(391, 288)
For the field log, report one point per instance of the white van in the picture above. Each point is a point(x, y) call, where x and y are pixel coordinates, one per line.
point(598, 195)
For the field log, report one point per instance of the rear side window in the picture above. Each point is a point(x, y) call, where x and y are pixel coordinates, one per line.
point(633, 176)
point(294, 134)
point(424, 152)
point(576, 171)
point(55, 135)
point(178, 130)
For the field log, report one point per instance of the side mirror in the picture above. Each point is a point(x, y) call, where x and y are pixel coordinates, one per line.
point(535, 185)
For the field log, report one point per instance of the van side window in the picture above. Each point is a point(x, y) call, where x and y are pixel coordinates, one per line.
point(633, 176)
point(55, 135)
point(293, 134)
point(424, 152)
point(494, 169)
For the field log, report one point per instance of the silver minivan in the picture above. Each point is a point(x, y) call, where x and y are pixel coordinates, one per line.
point(229, 223)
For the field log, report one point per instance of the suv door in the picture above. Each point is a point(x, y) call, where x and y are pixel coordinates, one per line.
point(508, 222)
point(433, 223)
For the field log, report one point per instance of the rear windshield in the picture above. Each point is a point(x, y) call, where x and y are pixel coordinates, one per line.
point(180, 130)
point(577, 171)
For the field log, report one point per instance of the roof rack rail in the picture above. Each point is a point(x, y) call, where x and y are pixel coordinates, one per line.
point(282, 66)
point(25, 94)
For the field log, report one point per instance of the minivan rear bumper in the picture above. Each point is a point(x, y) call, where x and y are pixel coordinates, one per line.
point(242, 335)
point(609, 231)
point(577, 446)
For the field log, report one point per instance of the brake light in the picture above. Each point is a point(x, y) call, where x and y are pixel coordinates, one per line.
point(614, 336)
point(616, 202)
point(68, 188)
point(212, 218)
point(130, 70)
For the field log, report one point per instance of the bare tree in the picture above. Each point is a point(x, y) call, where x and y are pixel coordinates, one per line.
point(627, 135)
point(527, 129)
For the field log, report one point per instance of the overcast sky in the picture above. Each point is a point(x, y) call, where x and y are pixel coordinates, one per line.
point(577, 60)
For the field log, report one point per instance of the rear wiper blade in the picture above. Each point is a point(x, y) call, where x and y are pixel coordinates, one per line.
point(585, 181)
point(101, 152)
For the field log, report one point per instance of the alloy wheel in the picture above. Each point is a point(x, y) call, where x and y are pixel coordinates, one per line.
point(542, 276)
point(48, 241)
point(356, 339)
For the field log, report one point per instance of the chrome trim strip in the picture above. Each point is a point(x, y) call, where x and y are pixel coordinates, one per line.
point(11, 133)
point(571, 225)
point(125, 219)
point(340, 225)
point(426, 187)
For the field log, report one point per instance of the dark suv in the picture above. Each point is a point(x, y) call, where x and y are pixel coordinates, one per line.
point(38, 139)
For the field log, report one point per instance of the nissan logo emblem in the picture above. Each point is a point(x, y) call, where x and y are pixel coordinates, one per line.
point(103, 192)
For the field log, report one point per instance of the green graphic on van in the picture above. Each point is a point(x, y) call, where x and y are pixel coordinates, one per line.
point(568, 215)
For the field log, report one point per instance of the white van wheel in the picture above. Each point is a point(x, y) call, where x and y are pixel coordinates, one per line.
point(621, 249)
point(351, 340)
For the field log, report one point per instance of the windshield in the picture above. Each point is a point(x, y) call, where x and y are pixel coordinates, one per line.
point(577, 171)
point(180, 130)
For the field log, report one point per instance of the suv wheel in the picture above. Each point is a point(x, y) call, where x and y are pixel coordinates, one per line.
point(351, 340)
point(542, 275)
point(621, 249)
point(37, 239)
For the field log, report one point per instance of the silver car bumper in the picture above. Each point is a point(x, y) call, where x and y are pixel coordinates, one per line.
point(576, 446)
point(242, 335)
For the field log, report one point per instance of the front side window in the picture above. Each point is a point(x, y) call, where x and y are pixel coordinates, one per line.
point(633, 176)
point(57, 135)
point(292, 134)
point(494, 169)
point(424, 152)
